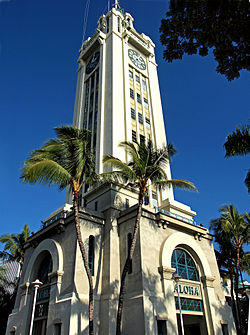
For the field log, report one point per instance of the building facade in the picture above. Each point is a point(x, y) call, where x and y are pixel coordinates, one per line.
point(118, 99)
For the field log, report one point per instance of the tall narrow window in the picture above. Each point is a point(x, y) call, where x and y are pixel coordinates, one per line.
point(58, 328)
point(129, 247)
point(96, 205)
point(138, 98)
point(137, 78)
point(133, 114)
point(91, 254)
point(119, 24)
point(107, 24)
point(142, 139)
point(127, 203)
point(144, 85)
point(134, 137)
point(161, 327)
point(132, 93)
point(140, 118)
point(224, 329)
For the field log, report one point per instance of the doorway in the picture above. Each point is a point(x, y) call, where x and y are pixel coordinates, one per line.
point(193, 324)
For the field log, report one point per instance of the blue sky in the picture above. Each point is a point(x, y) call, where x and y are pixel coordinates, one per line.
point(39, 43)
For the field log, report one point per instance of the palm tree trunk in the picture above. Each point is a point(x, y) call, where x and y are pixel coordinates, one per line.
point(234, 307)
point(85, 261)
point(126, 266)
point(237, 288)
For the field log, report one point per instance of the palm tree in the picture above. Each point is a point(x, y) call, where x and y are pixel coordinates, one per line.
point(226, 259)
point(66, 161)
point(238, 143)
point(232, 233)
point(14, 244)
point(235, 224)
point(147, 164)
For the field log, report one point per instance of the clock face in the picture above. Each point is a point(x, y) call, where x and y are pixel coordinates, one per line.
point(94, 60)
point(137, 59)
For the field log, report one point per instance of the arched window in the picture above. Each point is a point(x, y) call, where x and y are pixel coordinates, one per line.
point(43, 295)
point(184, 265)
point(92, 254)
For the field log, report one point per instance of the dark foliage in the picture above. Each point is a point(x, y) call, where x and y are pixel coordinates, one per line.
point(197, 26)
point(7, 301)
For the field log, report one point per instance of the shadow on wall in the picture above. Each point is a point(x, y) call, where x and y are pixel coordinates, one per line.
point(221, 313)
point(158, 307)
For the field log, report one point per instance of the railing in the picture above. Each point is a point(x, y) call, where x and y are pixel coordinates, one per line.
point(176, 216)
point(61, 215)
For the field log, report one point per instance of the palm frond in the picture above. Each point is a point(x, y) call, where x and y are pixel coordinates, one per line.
point(182, 184)
point(238, 143)
point(46, 172)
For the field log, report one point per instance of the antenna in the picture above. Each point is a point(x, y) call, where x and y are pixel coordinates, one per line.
point(86, 13)
point(108, 5)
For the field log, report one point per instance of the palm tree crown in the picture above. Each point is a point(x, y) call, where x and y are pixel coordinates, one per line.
point(238, 143)
point(64, 161)
point(235, 224)
point(14, 244)
point(147, 163)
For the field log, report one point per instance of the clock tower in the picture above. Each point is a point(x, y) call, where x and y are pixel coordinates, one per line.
point(118, 97)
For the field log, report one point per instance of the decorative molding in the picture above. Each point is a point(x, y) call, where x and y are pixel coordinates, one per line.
point(56, 277)
point(162, 317)
point(223, 322)
point(25, 288)
point(166, 273)
point(162, 223)
point(197, 236)
point(208, 281)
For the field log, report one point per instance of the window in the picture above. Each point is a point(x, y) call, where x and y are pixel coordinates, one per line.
point(193, 305)
point(134, 137)
point(119, 24)
point(142, 139)
point(58, 328)
point(132, 93)
point(147, 123)
point(161, 327)
point(129, 247)
point(91, 254)
point(107, 24)
point(154, 195)
point(144, 85)
point(133, 116)
point(138, 98)
point(96, 205)
point(97, 79)
point(130, 74)
point(43, 295)
point(146, 199)
point(184, 265)
point(224, 328)
point(84, 202)
point(140, 118)
point(145, 103)
point(126, 203)
point(137, 78)
point(90, 121)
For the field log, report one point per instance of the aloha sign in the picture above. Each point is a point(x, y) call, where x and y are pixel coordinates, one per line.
point(188, 290)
